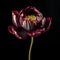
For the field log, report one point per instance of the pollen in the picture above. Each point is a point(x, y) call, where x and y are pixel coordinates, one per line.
point(31, 17)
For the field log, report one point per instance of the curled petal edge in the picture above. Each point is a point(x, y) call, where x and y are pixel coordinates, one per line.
point(49, 20)
point(13, 31)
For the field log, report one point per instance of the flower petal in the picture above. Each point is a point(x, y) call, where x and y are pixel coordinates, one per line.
point(13, 31)
point(43, 22)
point(49, 21)
point(15, 17)
point(34, 33)
point(22, 33)
point(27, 25)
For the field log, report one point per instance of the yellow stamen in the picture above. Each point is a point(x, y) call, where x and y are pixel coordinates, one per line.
point(31, 17)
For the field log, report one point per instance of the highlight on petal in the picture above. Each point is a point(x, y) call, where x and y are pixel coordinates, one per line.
point(15, 17)
point(27, 25)
point(13, 31)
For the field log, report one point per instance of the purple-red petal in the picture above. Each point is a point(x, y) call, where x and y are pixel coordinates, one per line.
point(49, 21)
point(14, 32)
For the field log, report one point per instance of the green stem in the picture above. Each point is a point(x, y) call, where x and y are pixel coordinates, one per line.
point(29, 55)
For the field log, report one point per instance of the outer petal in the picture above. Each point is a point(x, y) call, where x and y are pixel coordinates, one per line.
point(49, 21)
point(13, 31)
point(21, 34)
point(15, 17)
point(45, 24)
point(34, 33)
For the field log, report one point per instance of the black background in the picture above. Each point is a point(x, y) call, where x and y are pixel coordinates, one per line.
point(45, 46)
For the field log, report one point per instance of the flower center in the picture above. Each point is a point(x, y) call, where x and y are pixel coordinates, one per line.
point(31, 17)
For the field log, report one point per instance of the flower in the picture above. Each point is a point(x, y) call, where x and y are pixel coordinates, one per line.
point(28, 22)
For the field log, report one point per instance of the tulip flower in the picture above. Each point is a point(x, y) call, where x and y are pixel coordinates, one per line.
point(29, 22)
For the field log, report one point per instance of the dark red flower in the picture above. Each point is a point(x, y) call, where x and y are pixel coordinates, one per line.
point(29, 22)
